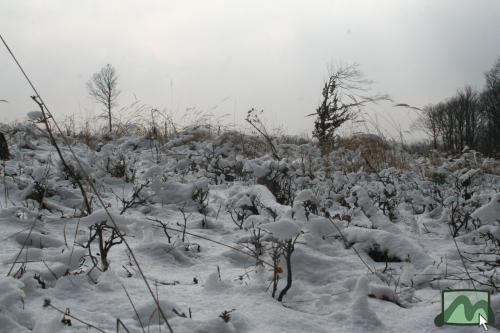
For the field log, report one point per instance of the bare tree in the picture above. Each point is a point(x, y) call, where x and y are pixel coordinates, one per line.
point(456, 121)
point(493, 76)
point(428, 121)
point(103, 87)
point(490, 105)
point(343, 97)
point(468, 101)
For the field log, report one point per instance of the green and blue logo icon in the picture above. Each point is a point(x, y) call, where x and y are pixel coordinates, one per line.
point(465, 307)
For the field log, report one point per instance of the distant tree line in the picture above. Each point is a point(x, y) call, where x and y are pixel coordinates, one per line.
point(469, 119)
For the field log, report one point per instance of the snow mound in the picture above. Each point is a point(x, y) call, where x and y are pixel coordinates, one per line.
point(364, 318)
point(395, 246)
point(11, 302)
point(149, 314)
point(320, 227)
point(100, 216)
point(215, 325)
point(253, 221)
point(304, 198)
point(37, 240)
point(257, 167)
point(172, 192)
point(474, 237)
point(489, 213)
point(214, 283)
point(171, 253)
point(282, 230)
point(306, 195)
point(265, 196)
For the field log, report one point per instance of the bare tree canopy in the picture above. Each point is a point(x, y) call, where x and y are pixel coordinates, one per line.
point(493, 76)
point(103, 87)
point(344, 94)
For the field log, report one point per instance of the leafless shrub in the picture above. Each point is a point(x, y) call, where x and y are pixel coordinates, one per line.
point(256, 122)
point(136, 199)
point(239, 214)
point(106, 237)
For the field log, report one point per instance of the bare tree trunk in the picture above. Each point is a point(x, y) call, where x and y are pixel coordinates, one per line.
point(110, 126)
point(109, 115)
point(4, 148)
point(288, 258)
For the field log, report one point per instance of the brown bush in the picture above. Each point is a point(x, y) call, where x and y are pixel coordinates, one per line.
point(376, 152)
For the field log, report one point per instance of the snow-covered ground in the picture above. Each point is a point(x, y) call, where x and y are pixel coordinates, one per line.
point(372, 249)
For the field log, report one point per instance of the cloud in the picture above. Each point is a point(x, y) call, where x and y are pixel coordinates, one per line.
point(272, 55)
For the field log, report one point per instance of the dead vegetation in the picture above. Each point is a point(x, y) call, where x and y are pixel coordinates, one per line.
point(376, 152)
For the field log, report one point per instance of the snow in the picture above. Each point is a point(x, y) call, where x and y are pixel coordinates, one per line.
point(11, 300)
point(282, 230)
point(172, 192)
point(355, 268)
point(364, 318)
point(148, 312)
point(397, 246)
point(37, 240)
point(489, 213)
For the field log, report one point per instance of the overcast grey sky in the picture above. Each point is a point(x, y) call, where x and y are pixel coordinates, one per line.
point(236, 54)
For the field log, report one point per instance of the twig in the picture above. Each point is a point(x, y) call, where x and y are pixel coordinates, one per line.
point(462, 259)
point(133, 307)
point(120, 323)
point(220, 243)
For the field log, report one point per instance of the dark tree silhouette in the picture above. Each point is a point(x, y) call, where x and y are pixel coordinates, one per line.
point(343, 97)
point(4, 148)
point(429, 123)
point(490, 105)
point(468, 119)
point(103, 87)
